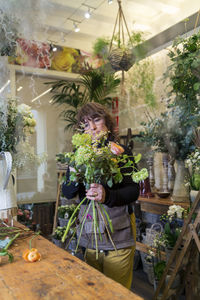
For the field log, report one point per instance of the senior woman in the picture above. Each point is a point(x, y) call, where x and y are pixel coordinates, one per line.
point(94, 119)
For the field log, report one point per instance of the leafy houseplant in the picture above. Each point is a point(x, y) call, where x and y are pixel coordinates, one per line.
point(184, 80)
point(65, 211)
point(132, 49)
point(94, 85)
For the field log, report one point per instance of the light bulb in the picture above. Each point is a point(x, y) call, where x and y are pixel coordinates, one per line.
point(87, 14)
point(76, 28)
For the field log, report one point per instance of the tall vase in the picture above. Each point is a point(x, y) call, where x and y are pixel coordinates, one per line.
point(8, 202)
point(181, 191)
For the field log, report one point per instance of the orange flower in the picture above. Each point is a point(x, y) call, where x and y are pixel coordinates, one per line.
point(31, 255)
point(116, 149)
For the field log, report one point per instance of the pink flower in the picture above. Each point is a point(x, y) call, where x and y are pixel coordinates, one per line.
point(116, 149)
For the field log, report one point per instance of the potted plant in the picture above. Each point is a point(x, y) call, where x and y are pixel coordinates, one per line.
point(57, 237)
point(64, 213)
point(119, 54)
point(94, 85)
point(173, 222)
point(193, 165)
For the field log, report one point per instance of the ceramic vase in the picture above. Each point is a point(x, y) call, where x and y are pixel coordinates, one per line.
point(181, 190)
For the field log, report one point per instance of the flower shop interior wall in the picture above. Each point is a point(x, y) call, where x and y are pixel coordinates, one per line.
point(39, 184)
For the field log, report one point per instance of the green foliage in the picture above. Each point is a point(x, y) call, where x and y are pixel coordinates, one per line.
point(100, 46)
point(11, 127)
point(184, 72)
point(159, 269)
point(65, 211)
point(141, 81)
point(94, 86)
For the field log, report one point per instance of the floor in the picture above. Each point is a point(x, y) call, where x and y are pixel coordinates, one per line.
point(141, 285)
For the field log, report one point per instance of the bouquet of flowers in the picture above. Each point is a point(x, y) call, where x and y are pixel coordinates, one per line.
point(96, 161)
point(193, 164)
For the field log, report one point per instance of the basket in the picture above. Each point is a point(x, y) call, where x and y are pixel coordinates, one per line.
point(151, 233)
point(121, 59)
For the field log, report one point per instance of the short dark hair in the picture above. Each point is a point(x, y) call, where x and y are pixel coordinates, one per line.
point(93, 110)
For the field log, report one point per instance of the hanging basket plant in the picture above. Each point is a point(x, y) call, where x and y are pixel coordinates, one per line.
point(121, 57)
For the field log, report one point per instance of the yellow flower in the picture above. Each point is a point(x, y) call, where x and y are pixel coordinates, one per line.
point(63, 60)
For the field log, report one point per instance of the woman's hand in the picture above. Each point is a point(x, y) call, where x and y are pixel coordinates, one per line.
point(96, 192)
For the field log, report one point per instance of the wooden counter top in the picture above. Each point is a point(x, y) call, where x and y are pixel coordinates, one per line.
point(58, 276)
point(156, 205)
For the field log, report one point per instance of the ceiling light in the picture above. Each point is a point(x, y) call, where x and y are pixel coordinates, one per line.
point(76, 28)
point(19, 88)
point(54, 49)
point(110, 1)
point(47, 91)
point(88, 14)
point(4, 86)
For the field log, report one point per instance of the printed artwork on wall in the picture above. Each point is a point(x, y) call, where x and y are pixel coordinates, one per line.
point(41, 55)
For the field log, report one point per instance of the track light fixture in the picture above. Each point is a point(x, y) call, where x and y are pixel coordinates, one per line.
point(76, 28)
point(88, 14)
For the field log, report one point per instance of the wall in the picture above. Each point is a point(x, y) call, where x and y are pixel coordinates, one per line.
point(134, 111)
point(39, 184)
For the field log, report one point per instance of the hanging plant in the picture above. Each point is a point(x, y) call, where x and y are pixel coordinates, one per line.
point(140, 82)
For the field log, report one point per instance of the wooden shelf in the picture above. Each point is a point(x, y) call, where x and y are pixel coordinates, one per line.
point(159, 206)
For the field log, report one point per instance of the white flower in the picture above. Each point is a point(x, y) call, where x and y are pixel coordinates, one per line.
point(24, 109)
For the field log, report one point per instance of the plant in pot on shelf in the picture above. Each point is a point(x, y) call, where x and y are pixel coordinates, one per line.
point(57, 236)
point(173, 223)
point(65, 212)
point(193, 164)
point(157, 263)
point(94, 85)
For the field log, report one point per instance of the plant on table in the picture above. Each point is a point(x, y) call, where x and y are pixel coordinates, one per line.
point(94, 164)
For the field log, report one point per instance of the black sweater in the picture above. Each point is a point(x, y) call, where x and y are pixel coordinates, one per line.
point(120, 194)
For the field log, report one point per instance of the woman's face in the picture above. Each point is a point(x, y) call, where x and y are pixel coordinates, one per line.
point(94, 126)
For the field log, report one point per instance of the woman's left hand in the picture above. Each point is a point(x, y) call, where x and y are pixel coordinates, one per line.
point(96, 192)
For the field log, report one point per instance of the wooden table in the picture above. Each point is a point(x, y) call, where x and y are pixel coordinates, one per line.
point(58, 276)
point(156, 205)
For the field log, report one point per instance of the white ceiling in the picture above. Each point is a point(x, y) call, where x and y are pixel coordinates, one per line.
point(52, 20)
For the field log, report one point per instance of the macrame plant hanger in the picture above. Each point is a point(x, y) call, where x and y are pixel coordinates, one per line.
point(120, 57)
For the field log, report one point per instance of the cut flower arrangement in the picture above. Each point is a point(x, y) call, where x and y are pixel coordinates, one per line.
point(97, 161)
point(173, 222)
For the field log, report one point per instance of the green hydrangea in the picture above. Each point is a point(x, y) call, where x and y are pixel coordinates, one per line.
point(81, 139)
